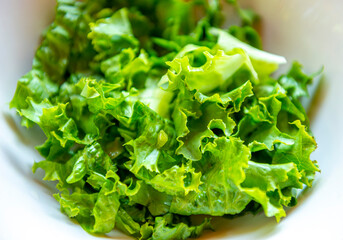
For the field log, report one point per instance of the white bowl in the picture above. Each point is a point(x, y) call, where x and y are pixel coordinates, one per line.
point(310, 31)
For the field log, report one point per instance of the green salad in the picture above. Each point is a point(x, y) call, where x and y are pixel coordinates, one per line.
point(155, 113)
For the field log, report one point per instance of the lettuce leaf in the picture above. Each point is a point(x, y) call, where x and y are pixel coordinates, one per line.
point(154, 114)
point(264, 63)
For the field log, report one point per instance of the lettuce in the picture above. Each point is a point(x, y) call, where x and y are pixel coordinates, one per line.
point(153, 114)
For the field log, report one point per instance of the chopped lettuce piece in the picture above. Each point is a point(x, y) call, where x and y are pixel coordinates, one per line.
point(153, 114)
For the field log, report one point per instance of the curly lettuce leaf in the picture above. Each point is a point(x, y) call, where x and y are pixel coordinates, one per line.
point(166, 229)
point(266, 184)
point(223, 167)
point(264, 63)
point(154, 114)
point(220, 66)
point(111, 35)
